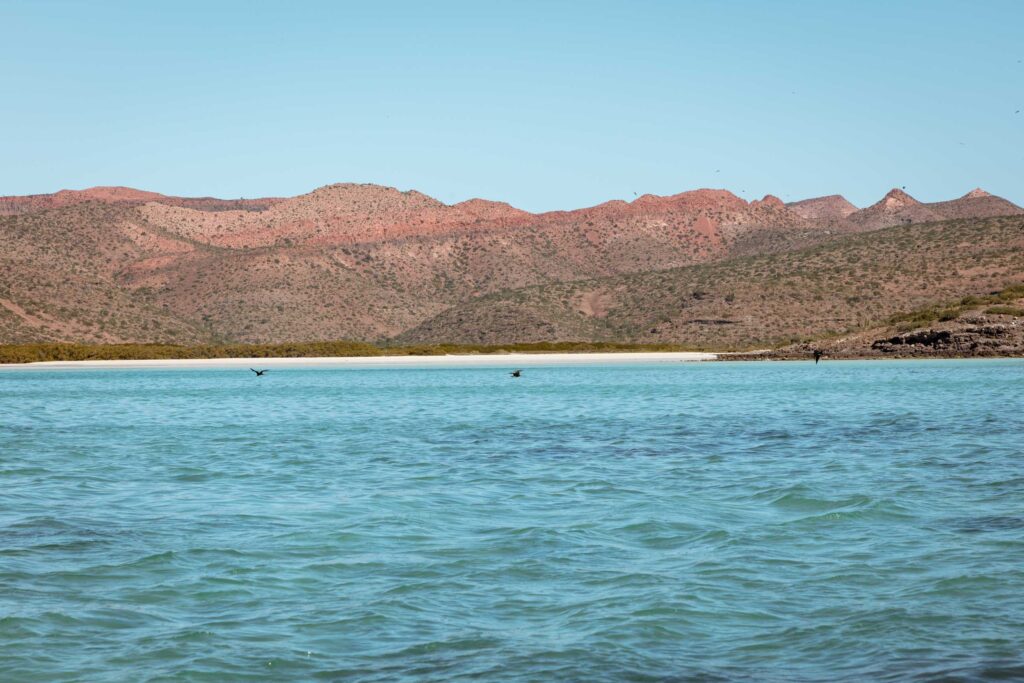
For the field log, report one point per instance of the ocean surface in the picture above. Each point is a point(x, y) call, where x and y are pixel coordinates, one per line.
point(705, 521)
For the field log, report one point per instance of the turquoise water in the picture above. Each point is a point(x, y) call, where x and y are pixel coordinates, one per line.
point(759, 521)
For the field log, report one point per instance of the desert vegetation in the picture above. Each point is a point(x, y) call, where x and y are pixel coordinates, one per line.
point(31, 353)
point(853, 282)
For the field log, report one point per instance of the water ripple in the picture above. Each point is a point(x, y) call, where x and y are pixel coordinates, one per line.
point(769, 522)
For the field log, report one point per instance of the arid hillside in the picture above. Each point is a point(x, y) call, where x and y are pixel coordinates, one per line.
point(974, 326)
point(831, 208)
point(849, 283)
point(899, 208)
point(370, 263)
point(32, 203)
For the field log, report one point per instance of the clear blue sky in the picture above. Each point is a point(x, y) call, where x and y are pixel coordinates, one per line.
point(543, 104)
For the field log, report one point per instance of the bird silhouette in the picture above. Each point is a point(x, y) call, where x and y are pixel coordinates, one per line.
point(817, 356)
point(516, 373)
point(259, 373)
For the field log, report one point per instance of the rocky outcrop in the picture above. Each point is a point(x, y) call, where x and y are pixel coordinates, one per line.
point(979, 333)
point(979, 340)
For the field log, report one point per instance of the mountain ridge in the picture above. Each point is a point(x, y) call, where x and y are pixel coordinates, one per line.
point(364, 261)
point(813, 207)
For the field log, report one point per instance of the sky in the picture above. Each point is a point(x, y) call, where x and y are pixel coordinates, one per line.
point(545, 105)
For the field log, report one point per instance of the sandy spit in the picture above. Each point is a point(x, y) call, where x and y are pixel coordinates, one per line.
point(468, 360)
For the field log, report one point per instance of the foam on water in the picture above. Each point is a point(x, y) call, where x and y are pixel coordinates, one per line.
point(764, 521)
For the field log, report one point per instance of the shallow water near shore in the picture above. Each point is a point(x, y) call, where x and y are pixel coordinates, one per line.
point(721, 521)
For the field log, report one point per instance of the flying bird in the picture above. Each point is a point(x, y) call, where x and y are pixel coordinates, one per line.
point(817, 356)
point(516, 373)
point(259, 373)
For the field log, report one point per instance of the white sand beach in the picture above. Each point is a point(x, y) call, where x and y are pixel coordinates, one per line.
point(460, 360)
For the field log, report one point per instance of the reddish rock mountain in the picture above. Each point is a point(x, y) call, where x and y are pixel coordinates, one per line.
point(108, 195)
point(895, 208)
point(976, 204)
point(832, 207)
point(898, 208)
point(768, 200)
point(358, 214)
point(128, 196)
point(365, 261)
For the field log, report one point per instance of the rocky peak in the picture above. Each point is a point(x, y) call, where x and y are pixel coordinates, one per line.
point(707, 199)
point(832, 206)
point(489, 210)
point(768, 200)
point(352, 198)
point(976, 193)
point(897, 198)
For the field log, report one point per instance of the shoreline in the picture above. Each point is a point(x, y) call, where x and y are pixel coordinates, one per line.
point(453, 360)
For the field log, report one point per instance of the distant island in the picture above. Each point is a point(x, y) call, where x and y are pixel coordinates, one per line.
point(114, 270)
